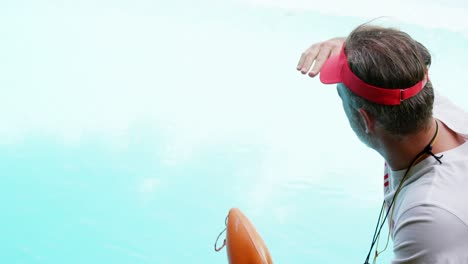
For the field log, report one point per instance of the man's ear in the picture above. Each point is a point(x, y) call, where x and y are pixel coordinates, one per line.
point(367, 120)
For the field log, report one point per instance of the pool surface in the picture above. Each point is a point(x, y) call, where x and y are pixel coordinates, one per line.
point(130, 128)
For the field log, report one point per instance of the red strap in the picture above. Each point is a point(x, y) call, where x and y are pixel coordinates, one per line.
point(376, 94)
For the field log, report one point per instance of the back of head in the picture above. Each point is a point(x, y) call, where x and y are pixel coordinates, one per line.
point(391, 59)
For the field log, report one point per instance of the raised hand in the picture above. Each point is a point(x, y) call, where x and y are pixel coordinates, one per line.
point(317, 54)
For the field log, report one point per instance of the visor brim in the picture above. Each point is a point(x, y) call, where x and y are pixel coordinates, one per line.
point(331, 70)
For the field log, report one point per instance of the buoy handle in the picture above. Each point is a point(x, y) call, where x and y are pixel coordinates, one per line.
point(216, 243)
point(217, 249)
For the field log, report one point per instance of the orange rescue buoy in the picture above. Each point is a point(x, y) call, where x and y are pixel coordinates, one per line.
point(244, 244)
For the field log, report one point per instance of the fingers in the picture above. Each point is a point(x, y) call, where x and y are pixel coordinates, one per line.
point(320, 60)
point(301, 61)
point(335, 51)
point(317, 54)
point(307, 58)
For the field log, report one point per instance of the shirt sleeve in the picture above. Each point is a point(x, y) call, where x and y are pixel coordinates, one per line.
point(429, 234)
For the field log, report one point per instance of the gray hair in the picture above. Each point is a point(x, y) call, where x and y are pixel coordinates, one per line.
point(390, 58)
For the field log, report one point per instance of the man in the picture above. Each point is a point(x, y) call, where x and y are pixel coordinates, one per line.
point(383, 81)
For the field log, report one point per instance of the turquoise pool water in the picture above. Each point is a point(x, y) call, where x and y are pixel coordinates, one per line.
point(130, 128)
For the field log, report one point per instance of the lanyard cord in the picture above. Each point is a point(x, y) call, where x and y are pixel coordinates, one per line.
point(427, 150)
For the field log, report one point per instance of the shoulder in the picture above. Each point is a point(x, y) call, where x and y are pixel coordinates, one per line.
point(430, 234)
point(452, 115)
point(442, 186)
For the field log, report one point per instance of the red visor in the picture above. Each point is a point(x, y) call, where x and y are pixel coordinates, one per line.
point(336, 70)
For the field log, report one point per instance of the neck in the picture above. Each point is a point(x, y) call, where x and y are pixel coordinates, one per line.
point(400, 151)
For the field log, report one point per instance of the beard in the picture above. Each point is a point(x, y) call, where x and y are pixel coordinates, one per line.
point(359, 127)
point(357, 124)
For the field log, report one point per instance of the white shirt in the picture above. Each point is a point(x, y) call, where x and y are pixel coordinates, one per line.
point(430, 219)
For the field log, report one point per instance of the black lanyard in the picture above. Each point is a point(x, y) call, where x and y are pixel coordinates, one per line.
point(428, 151)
